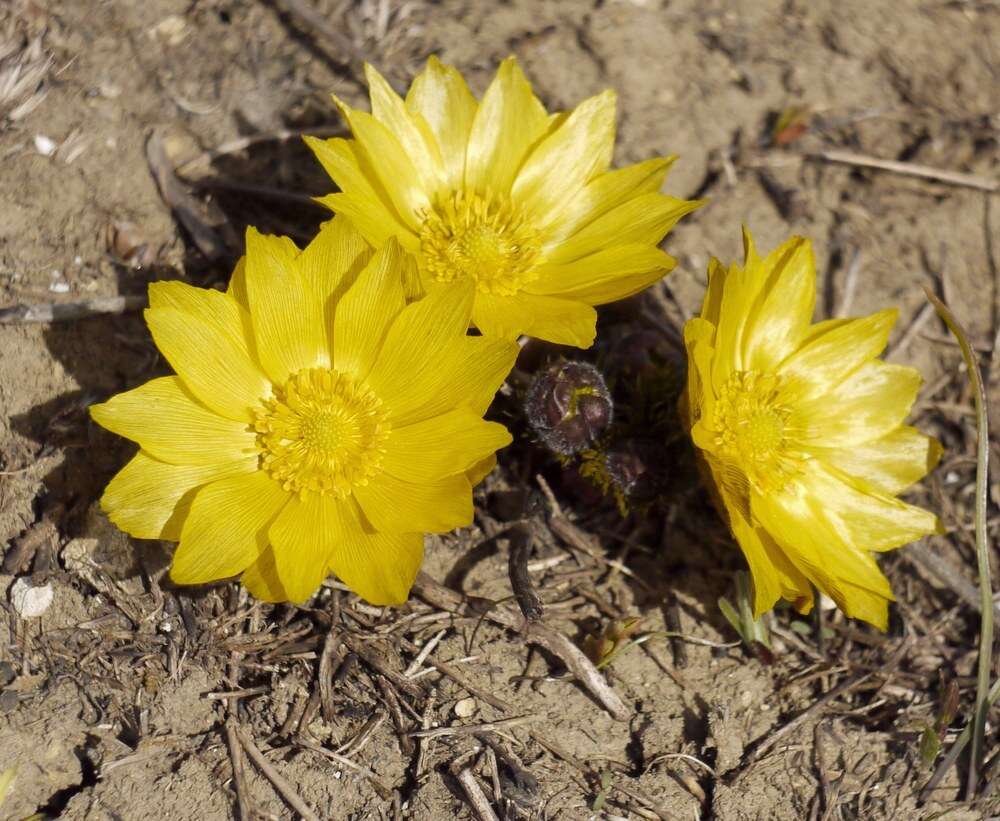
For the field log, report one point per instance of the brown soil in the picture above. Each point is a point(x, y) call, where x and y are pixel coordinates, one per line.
point(104, 700)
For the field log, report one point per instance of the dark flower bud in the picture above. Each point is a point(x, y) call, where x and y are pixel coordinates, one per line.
point(628, 471)
point(569, 406)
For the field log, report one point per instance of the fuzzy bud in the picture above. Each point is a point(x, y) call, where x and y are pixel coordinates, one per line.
point(569, 406)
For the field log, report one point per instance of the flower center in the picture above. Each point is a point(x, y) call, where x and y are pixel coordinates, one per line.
point(481, 238)
point(752, 429)
point(323, 432)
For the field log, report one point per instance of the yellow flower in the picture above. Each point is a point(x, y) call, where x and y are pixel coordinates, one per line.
point(502, 193)
point(316, 423)
point(800, 427)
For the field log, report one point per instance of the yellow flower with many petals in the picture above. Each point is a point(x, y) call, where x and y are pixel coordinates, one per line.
point(317, 423)
point(800, 427)
point(501, 193)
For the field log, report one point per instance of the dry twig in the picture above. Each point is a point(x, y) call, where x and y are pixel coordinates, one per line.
point(281, 784)
point(555, 642)
point(477, 799)
point(909, 169)
point(24, 314)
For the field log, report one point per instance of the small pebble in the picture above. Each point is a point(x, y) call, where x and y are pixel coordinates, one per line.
point(44, 145)
point(30, 602)
point(465, 707)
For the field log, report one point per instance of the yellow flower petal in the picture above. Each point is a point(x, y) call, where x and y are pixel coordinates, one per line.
point(781, 313)
point(440, 95)
point(418, 337)
point(262, 580)
point(287, 321)
point(604, 193)
point(871, 402)
point(150, 499)
point(331, 263)
point(774, 576)
point(393, 167)
point(889, 464)
point(367, 310)
point(211, 354)
point(871, 520)
point(442, 446)
point(379, 567)
point(396, 506)
point(173, 426)
point(765, 308)
point(481, 469)
point(831, 353)
point(840, 569)
point(508, 122)
point(237, 290)
point(364, 202)
point(303, 537)
point(610, 274)
point(570, 157)
point(388, 108)
point(560, 321)
point(468, 372)
point(226, 529)
point(641, 221)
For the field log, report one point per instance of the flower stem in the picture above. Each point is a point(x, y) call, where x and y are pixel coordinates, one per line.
point(983, 700)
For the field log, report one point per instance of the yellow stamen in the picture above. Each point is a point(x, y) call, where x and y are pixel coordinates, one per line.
point(482, 238)
point(752, 429)
point(323, 432)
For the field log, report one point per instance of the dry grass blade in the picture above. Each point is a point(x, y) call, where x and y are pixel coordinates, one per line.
point(910, 169)
point(982, 545)
point(23, 69)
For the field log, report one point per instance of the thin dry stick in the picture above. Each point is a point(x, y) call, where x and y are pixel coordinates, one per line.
point(922, 318)
point(521, 540)
point(68, 311)
point(243, 143)
point(555, 642)
point(425, 651)
point(945, 572)
point(472, 729)
point(339, 47)
point(286, 790)
point(184, 207)
point(909, 169)
point(850, 284)
point(448, 669)
point(423, 744)
point(239, 776)
point(383, 791)
point(325, 673)
point(982, 545)
point(814, 709)
point(477, 798)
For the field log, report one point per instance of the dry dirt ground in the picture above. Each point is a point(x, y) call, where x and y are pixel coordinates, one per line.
point(110, 704)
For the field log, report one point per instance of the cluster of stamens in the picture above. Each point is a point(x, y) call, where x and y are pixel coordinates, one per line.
point(483, 238)
point(751, 427)
point(322, 432)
